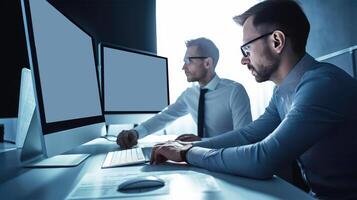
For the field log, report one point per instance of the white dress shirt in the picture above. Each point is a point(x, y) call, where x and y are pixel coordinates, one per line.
point(227, 107)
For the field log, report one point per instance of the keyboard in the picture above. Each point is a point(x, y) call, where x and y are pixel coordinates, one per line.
point(124, 157)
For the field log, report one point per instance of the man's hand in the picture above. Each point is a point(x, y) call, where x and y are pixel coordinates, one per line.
point(174, 151)
point(188, 138)
point(127, 139)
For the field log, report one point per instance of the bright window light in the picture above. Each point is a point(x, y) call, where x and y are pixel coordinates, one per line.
point(179, 21)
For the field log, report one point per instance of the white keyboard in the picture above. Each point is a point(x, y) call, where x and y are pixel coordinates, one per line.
point(124, 157)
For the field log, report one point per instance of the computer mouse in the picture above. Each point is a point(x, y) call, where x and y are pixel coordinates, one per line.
point(141, 182)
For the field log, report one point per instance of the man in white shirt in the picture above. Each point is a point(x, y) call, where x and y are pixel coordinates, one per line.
point(226, 102)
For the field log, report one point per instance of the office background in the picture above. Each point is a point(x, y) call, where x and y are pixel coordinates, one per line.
point(132, 23)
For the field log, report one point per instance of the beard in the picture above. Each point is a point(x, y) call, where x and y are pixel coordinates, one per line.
point(196, 76)
point(190, 77)
point(264, 72)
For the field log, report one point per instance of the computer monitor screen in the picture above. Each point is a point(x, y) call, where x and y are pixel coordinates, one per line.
point(133, 82)
point(65, 77)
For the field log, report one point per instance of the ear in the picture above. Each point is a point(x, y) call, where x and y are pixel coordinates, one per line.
point(208, 62)
point(279, 39)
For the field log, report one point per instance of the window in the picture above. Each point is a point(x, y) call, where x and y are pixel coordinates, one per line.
point(179, 21)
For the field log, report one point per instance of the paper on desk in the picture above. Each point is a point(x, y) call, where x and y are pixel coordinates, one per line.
point(104, 185)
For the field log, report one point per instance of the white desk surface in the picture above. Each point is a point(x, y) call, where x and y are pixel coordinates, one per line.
point(57, 183)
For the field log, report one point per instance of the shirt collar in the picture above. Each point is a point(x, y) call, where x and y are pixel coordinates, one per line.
point(212, 84)
point(306, 63)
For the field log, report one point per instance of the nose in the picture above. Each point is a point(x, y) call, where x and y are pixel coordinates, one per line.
point(245, 60)
point(184, 66)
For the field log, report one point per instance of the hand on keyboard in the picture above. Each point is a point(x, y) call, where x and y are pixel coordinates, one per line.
point(175, 151)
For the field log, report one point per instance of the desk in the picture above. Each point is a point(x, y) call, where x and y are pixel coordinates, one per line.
point(56, 183)
point(7, 147)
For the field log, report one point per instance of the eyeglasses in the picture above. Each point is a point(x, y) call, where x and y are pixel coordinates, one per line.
point(245, 48)
point(187, 60)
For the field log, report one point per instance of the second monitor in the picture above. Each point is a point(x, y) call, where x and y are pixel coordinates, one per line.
point(134, 84)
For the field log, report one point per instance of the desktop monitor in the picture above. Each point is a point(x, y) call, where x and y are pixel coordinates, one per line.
point(134, 84)
point(68, 107)
point(27, 106)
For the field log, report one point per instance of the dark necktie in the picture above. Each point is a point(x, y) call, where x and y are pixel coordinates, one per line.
point(201, 113)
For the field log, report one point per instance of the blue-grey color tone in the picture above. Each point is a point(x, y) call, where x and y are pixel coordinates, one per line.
point(66, 75)
point(66, 65)
point(227, 107)
point(312, 117)
point(333, 25)
point(134, 81)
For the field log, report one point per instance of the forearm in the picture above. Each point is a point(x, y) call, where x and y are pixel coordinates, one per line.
point(252, 133)
point(160, 120)
point(313, 117)
point(235, 160)
point(262, 159)
point(229, 139)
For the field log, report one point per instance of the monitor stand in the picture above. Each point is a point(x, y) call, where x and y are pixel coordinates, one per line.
point(33, 153)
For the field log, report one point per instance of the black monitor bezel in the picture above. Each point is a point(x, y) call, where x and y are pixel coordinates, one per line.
point(117, 47)
point(52, 127)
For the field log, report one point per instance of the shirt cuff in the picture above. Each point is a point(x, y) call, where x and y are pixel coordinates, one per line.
point(196, 155)
point(141, 131)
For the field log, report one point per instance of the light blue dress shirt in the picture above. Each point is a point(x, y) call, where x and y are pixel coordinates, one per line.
point(227, 107)
point(312, 117)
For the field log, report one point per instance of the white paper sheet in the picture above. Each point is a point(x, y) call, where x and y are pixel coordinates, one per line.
point(104, 185)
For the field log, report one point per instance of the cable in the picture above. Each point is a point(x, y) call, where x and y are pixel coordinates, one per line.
point(107, 138)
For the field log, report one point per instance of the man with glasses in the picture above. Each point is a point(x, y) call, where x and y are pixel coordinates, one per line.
point(224, 103)
point(311, 118)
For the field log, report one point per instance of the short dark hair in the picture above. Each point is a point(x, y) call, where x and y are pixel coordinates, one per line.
point(284, 15)
point(206, 48)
